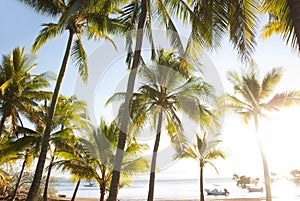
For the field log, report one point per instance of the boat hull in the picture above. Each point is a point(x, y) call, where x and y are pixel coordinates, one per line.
point(251, 190)
point(215, 192)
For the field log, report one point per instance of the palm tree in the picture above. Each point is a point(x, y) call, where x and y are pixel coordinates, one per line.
point(283, 20)
point(144, 9)
point(204, 151)
point(21, 91)
point(253, 97)
point(75, 160)
point(164, 90)
point(95, 158)
point(239, 16)
point(27, 144)
point(77, 17)
point(70, 115)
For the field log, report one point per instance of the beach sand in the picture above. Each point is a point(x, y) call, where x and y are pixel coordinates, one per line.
point(227, 199)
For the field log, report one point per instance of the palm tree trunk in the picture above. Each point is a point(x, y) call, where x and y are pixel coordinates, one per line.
point(265, 164)
point(102, 184)
point(154, 156)
point(201, 183)
point(2, 125)
point(294, 6)
point(45, 196)
point(33, 192)
point(102, 192)
point(13, 197)
point(113, 192)
point(76, 190)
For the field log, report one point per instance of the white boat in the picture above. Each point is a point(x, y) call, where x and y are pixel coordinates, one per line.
point(255, 189)
point(216, 192)
point(90, 184)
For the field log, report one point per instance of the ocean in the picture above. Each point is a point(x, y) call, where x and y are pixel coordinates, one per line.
point(183, 189)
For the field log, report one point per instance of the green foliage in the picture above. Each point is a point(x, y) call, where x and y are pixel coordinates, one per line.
point(80, 57)
point(21, 91)
point(78, 17)
point(93, 157)
point(280, 22)
point(211, 19)
point(204, 150)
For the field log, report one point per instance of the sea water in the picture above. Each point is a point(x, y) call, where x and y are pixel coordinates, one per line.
point(170, 189)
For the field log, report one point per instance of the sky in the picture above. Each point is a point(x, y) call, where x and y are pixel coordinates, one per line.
point(280, 131)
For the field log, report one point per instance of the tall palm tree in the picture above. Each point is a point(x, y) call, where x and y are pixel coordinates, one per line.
point(164, 91)
point(204, 151)
point(21, 91)
point(240, 17)
point(283, 20)
point(77, 17)
point(252, 97)
point(98, 150)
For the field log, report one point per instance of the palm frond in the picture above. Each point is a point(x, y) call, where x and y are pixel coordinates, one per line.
point(284, 99)
point(242, 22)
point(171, 29)
point(80, 57)
point(270, 81)
point(181, 9)
point(116, 97)
point(49, 31)
point(280, 22)
point(50, 8)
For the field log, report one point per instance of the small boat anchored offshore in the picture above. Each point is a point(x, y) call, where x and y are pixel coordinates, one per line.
point(90, 184)
point(217, 192)
point(255, 189)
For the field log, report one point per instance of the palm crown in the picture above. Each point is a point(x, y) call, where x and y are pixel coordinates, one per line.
point(78, 17)
point(252, 97)
point(20, 90)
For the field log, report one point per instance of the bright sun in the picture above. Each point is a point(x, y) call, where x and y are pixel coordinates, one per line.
point(280, 135)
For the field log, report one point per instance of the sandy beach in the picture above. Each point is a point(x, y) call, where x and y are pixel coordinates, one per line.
point(227, 199)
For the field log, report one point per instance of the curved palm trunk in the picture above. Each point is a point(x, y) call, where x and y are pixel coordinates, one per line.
point(113, 192)
point(13, 197)
point(45, 196)
point(294, 6)
point(33, 192)
point(201, 183)
point(265, 165)
point(154, 156)
point(76, 190)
